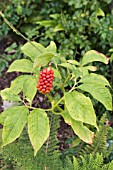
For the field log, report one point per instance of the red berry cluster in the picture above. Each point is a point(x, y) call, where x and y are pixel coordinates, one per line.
point(45, 80)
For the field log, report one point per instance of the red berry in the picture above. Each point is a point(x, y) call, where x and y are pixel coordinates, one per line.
point(45, 80)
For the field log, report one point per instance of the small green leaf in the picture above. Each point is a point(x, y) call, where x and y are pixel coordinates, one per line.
point(22, 65)
point(75, 142)
point(55, 16)
point(80, 130)
point(68, 65)
point(92, 56)
point(80, 108)
point(47, 23)
point(73, 62)
point(38, 128)
point(14, 124)
point(32, 49)
point(43, 59)
point(8, 95)
point(52, 47)
point(99, 92)
point(59, 27)
point(100, 12)
point(29, 88)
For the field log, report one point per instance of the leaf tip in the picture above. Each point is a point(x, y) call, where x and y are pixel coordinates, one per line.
point(35, 152)
point(91, 141)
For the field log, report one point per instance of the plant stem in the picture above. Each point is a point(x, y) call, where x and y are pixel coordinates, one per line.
point(17, 32)
point(30, 107)
point(51, 100)
point(58, 102)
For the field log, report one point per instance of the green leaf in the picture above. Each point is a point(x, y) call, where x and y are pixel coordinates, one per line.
point(75, 142)
point(4, 115)
point(14, 124)
point(43, 59)
point(29, 88)
point(32, 49)
point(17, 84)
point(22, 65)
point(78, 72)
point(100, 12)
point(80, 108)
point(47, 23)
point(73, 62)
point(38, 128)
point(92, 56)
point(8, 95)
point(59, 27)
point(95, 78)
point(52, 47)
point(68, 65)
point(55, 16)
point(79, 129)
point(99, 92)
point(91, 68)
point(84, 71)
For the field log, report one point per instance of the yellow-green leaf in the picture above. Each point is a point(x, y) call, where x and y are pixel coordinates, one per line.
point(29, 88)
point(21, 65)
point(52, 47)
point(38, 128)
point(80, 108)
point(99, 92)
point(32, 49)
point(14, 124)
point(8, 95)
point(43, 59)
point(80, 130)
point(92, 56)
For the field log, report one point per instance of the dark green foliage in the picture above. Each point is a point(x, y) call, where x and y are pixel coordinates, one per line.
point(16, 12)
point(10, 54)
point(92, 162)
point(88, 25)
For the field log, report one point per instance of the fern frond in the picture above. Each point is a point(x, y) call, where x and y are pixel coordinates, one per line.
point(52, 142)
point(99, 143)
point(91, 162)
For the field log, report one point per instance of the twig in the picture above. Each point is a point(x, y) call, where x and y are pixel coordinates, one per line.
point(17, 32)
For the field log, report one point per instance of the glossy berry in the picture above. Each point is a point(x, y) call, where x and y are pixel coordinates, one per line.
point(45, 80)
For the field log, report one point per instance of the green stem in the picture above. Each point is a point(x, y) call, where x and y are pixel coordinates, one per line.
point(30, 107)
point(67, 78)
point(17, 32)
point(51, 100)
point(58, 102)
